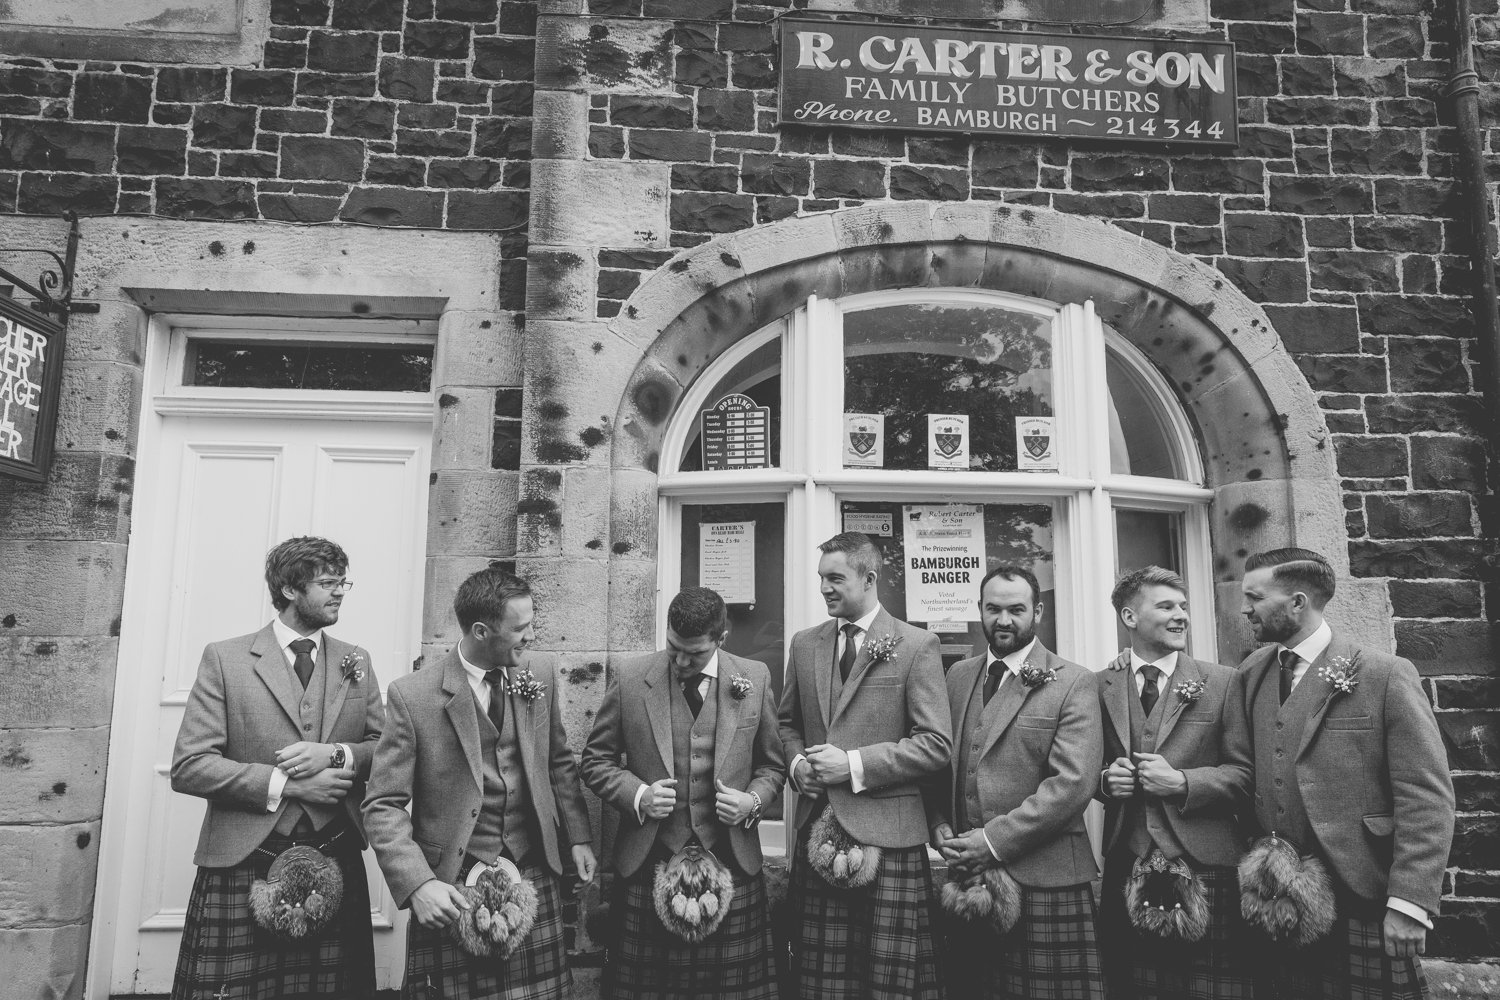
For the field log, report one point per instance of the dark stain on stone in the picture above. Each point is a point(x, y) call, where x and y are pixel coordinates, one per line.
point(15, 757)
point(884, 230)
point(447, 399)
point(592, 437)
point(569, 258)
point(593, 544)
point(1206, 358)
point(598, 346)
point(1281, 421)
point(653, 460)
point(632, 312)
point(9, 621)
point(1206, 370)
point(552, 410)
point(579, 675)
point(653, 398)
point(83, 840)
point(114, 627)
point(560, 451)
point(112, 434)
point(682, 360)
point(1158, 342)
point(1028, 216)
point(485, 324)
point(60, 788)
point(539, 506)
point(729, 259)
point(520, 321)
point(620, 548)
point(432, 479)
point(1248, 517)
point(1254, 474)
point(678, 266)
point(216, 248)
point(248, 248)
point(360, 308)
point(44, 648)
point(1241, 553)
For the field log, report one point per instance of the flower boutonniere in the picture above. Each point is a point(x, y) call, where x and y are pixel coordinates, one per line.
point(1189, 691)
point(1034, 676)
point(526, 686)
point(1341, 673)
point(352, 666)
point(882, 649)
point(740, 687)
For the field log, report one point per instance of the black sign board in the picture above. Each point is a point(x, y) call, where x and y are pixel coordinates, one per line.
point(881, 76)
point(736, 434)
point(31, 354)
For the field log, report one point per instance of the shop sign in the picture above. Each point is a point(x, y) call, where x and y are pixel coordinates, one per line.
point(1154, 91)
point(945, 560)
point(31, 354)
point(726, 560)
point(736, 434)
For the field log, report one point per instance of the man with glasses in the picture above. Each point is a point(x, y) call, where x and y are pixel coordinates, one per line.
point(278, 735)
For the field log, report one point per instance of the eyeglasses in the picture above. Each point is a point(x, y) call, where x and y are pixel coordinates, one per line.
point(342, 583)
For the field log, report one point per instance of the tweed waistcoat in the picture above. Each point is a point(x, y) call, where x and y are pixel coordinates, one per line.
point(693, 767)
point(504, 822)
point(969, 745)
point(1278, 736)
point(1147, 824)
point(310, 711)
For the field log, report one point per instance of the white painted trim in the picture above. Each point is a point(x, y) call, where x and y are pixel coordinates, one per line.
point(685, 423)
point(298, 403)
point(1181, 433)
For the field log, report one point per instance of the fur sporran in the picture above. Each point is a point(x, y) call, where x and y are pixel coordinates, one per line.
point(842, 861)
point(988, 894)
point(1165, 899)
point(692, 892)
point(300, 894)
point(1286, 895)
point(502, 910)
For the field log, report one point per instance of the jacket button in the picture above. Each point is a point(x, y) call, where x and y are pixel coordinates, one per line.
point(473, 812)
point(1280, 753)
point(1279, 725)
point(1279, 782)
point(307, 727)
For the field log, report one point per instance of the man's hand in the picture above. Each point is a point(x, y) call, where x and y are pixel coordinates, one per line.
point(969, 850)
point(1404, 936)
point(830, 764)
point(940, 833)
point(328, 786)
point(585, 862)
point(807, 780)
point(660, 799)
point(436, 904)
point(1158, 777)
point(303, 759)
point(732, 807)
point(1119, 779)
point(1121, 662)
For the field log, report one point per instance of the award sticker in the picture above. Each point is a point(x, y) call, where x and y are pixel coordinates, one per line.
point(1036, 444)
point(947, 441)
point(864, 440)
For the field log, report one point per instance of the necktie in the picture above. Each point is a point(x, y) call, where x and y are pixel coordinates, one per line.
point(846, 658)
point(1288, 660)
point(496, 680)
point(303, 663)
point(1149, 694)
point(692, 694)
point(993, 678)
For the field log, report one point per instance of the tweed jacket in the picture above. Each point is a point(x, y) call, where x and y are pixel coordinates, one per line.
point(1372, 773)
point(428, 759)
point(631, 746)
point(1207, 739)
point(242, 709)
point(893, 712)
point(1038, 768)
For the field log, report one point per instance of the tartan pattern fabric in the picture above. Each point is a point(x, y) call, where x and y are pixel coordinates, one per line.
point(648, 962)
point(1350, 964)
point(873, 943)
point(437, 968)
point(1052, 952)
point(223, 952)
point(1150, 968)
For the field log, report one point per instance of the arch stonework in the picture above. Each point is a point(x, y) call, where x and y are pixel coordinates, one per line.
point(1266, 448)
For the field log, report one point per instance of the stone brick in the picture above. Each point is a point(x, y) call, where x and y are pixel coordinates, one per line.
point(753, 72)
point(303, 12)
point(436, 40)
point(1109, 206)
point(315, 158)
point(1417, 196)
point(34, 81)
point(1330, 34)
point(701, 69)
point(1262, 235)
point(288, 120)
point(1267, 280)
point(1316, 329)
point(504, 58)
point(775, 175)
point(1223, 176)
point(1119, 173)
point(1358, 373)
point(470, 172)
point(1434, 599)
point(303, 208)
point(1318, 111)
point(273, 88)
point(702, 177)
point(223, 126)
point(726, 110)
point(503, 139)
point(42, 145)
point(1468, 692)
point(1321, 195)
point(406, 79)
point(651, 111)
point(1419, 515)
point(1419, 412)
point(1370, 458)
point(52, 775)
point(1473, 739)
point(146, 150)
point(432, 142)
point(1466, 929)
point(1427, 365)
point(368, 15)
point(205, 198)
point(1450, 647)
point(1447, 463)
point(468, 10)
point(1399, 234)
point(1004, 164)
point(1434, 559)
point(379, 206)
point(54, 194)
point(696, 212)
point(1415, 315)
point(343, 51)
point(363, 119)
point(112, 97)
point(505, 211)
point(932, 183)
point(190, 85)
point(742, 37)
point(652, 144)
point(1353, 271)
point(849, 179)
point(45, 961)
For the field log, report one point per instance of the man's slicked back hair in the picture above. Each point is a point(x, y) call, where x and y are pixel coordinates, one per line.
point(697, 611)
point(484, 595)
point(295, 562)
point(1297, 569)
point(1132, 583)
point(863, 555)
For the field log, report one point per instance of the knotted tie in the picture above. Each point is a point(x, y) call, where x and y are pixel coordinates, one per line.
point(303, 663)
point(992, 679)
point(1149, 695)
point(1288, 661)
point(846, 658)
point(496, 680)
point(692, 694)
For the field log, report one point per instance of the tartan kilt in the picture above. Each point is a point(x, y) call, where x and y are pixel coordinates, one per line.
point(1349, 964)
point(872, 943)
point(1148, 967)
point(223, 951)
point(1052, 953)
point(437, 968)
point(648, 962)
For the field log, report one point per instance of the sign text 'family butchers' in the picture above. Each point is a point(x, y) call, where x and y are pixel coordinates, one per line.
point(880, 76)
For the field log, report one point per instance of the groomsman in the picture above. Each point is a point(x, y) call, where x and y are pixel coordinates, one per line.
point(277, 735)
point(1176, 774)
point(685, 746)
point(864, 722)
point(1025, 766)
point(474, 745)
point(1350, 767)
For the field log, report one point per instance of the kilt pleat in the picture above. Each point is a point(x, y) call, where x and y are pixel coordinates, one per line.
point(437, 968)
point(224, 953)
point(1350, 964)
point(1052, 953)
point(872, 943)
point(648, 962)
point(1150, 968)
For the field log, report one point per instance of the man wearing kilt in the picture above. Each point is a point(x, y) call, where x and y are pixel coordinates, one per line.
point(1176, 776)
point(1027, 746)
point(685, 746)
point(864, 721)
point(474, 744)
point(1350, 769)
point(277, 735)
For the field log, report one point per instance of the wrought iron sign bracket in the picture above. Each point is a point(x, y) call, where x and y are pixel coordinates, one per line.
point(53, 290)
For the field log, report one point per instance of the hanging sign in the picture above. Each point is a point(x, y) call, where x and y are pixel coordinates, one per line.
point(947, 441)
point(944, 552)
point(864, 440)
point(1036, 444)
point(726, 560)
point(736, 434)
point(31, 355)
point(1151, 91)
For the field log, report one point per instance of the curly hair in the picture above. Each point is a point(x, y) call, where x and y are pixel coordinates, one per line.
point(295, 562)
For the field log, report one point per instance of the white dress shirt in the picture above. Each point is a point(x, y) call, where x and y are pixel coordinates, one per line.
point(856, 766)
point(1167, 664)
point(285, 636)
point(710, 671)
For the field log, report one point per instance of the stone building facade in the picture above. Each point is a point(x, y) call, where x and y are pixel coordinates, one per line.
point(589, 202)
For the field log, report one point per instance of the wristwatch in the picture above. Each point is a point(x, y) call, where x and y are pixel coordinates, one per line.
point(336, 759)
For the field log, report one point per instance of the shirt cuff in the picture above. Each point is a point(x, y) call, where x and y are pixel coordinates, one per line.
point(987, 843)
point(273, 792)
point(793, 769)
point(640, 793)
point(856, 772)
point(1410, 909)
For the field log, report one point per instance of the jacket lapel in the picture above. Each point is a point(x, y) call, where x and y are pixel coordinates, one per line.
point(1322, 690)
point(1118, 687)
point(333, 652)
point(658, 699)
point(461, 709)
point(729, 708)
point(523, 714)
point(963, 678)
point(824, 667)
point(880, 627)
point(271, 667)
point(1012, 694)
point(1187, 671)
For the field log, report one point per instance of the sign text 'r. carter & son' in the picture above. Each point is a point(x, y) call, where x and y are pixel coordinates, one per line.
point(879, 76)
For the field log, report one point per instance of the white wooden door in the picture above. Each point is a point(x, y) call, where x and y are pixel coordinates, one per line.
point(223, 489)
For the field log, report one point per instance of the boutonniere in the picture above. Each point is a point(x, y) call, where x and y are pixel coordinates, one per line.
point(1341, 673)
point(1034, 676)
point(882, 649)
point(525, 684)
point(351, 667)
point(1189, 691)
point(740, 687)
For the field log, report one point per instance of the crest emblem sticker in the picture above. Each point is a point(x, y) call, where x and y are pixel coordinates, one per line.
point(1036, 444)
point(864, 440)
point(947, 441)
